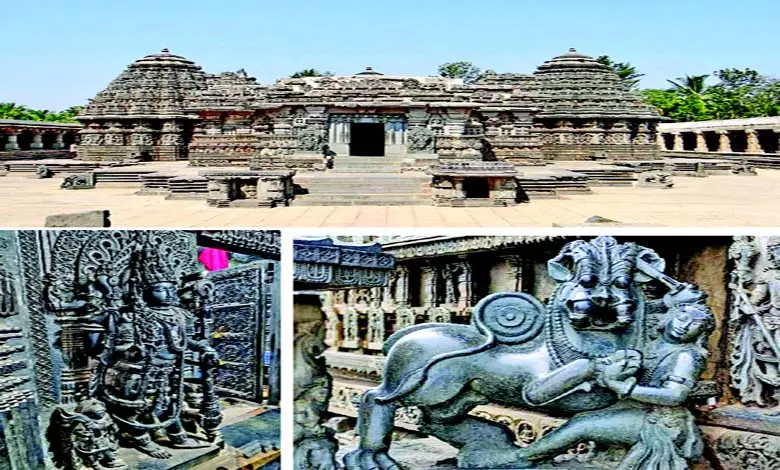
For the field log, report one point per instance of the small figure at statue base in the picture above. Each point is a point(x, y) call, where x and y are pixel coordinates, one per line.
point(84, 438)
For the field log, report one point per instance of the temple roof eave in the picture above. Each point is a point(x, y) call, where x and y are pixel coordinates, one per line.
point(106, 117)
point(604, 115)
point(42, 124)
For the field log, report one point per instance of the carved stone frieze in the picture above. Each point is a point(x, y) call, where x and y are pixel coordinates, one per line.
point(438, 246)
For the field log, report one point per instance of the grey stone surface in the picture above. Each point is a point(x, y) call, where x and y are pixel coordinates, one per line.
point(79, 219)
point(588, 353)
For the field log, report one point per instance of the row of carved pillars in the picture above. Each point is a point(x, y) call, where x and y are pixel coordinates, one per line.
point(434, 291)
point(30, 139)
point(723, 141)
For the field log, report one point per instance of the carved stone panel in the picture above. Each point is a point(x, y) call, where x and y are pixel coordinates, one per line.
point(244, 328)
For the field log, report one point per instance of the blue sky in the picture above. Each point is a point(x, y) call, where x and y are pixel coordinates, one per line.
point(58, 53)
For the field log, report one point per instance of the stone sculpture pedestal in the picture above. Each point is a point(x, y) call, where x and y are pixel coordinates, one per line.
point(474, 183)
point(181, 459)
point(249, 188)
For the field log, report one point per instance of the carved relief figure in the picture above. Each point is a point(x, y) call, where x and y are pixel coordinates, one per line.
point(755, 371)
point(128, 292)
point(84, 438)
point(649, 419)
point(142, 355)
point(315, 445)
point(568, 357)
point(310, 140)
point(420, 140)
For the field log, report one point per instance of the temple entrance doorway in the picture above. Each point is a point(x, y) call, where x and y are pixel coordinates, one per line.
point(367, 139)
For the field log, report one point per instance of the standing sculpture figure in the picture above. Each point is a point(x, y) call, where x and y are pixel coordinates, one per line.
point(650, 418)
point(756, 369)
point(142, 361)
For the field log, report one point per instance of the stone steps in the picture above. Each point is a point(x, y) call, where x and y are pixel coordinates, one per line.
point(119, 176)
point(391, 164)
point(609, 177)
point(32, 166)
point(188, 187)
point(364, 189)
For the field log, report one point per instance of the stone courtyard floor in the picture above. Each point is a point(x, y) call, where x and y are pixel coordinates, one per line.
point(714, 201)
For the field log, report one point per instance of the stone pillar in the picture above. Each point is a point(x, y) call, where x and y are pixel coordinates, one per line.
point(678, 142)
point(701, 142)
point(660, 141)
point(430, 289)
point(464, 282)
point(59, 143)
point(777, 136)
point(37, 142)
point(725, 142)
point(12, 143)
point(315, 446)
point(402, 287)
point(515, 266)
point(753, 146)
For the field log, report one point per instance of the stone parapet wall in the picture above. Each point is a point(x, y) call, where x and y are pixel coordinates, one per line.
point(562, 152)
point(35, 154)
point(118, 153)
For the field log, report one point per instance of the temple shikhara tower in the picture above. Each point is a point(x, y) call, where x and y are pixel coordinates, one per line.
point(164, 107)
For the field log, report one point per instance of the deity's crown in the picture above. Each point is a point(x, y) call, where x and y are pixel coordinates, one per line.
point(156, 266)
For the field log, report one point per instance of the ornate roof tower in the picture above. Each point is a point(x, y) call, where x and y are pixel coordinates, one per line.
point(152, 87)
point(574, 85)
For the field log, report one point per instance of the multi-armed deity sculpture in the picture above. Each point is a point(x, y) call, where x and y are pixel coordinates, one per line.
point(134, 310)
point(602, 350)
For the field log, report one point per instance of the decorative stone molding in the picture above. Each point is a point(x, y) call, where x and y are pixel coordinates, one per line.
point(438, 246)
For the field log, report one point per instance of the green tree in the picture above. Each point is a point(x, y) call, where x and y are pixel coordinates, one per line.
point(310, 73)
point(21, 112)
point(693, 84)
point(467, 71)
point(627, 72)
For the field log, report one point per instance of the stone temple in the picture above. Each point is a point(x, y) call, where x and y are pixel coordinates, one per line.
point(164, 107)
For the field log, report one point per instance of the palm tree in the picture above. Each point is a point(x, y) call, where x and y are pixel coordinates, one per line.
point(627, 72)
point(691, 84)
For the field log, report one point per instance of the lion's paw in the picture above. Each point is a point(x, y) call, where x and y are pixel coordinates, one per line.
point(362, 459)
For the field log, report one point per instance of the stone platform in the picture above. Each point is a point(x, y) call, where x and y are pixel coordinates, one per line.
point(428, 453)
point(250, 437)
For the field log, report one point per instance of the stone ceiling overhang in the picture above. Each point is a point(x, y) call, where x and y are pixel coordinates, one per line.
point(422, 247)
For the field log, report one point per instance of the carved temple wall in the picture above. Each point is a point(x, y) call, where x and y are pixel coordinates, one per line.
point(440, 279)
point(152, 139)
point(571, 108)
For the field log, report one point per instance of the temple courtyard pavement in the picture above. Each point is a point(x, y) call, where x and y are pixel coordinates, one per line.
point(714, 201)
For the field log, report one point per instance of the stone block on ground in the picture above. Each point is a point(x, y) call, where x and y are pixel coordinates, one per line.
point(99, 218)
